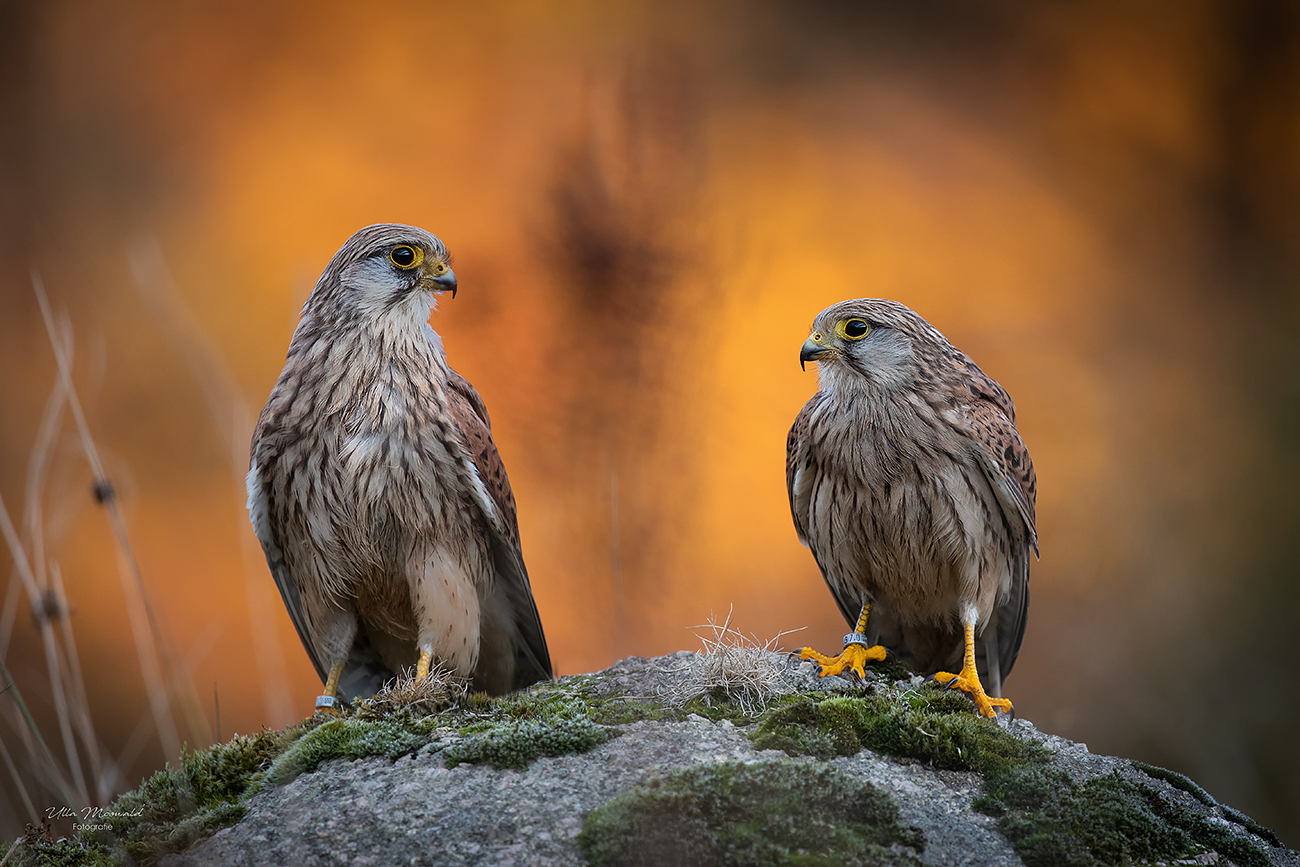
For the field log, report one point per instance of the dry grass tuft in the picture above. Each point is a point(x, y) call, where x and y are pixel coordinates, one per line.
point(428, 695)
point(746, 671)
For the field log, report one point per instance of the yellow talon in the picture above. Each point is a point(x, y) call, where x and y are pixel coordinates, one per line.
point(856, 653)
point(854, 658)
point(968, 680)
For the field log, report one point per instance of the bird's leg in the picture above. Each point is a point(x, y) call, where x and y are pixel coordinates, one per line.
point(422, 667)
point(856, 652)
point(969, 679)
point(328, 701)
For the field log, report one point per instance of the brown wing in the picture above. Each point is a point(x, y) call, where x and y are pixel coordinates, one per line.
point(533, 661)
point(799, 470)
point(802, 475)
point(991, 421)
point(991, 425)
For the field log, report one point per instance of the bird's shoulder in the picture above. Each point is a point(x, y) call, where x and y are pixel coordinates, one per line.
point(988, 416)
point(469, 413)
point(796, 442)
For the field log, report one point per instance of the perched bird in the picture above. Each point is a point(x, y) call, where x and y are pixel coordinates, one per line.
point(377, 492)
point(910, 484)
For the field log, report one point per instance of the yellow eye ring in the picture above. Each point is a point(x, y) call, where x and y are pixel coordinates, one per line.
point(852, 329)
point(405, 256)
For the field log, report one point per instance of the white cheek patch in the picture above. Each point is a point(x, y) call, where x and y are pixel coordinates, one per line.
point(446, 609)
point(372, 285)
point(377, 291)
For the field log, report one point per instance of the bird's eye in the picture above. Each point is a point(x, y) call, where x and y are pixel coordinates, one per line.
point(405, 256)
point(854, 329)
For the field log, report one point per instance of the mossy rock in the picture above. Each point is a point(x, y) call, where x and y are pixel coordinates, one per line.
point(1052, 820)
point(766, 813)
point(349, 739)
point(929, 724)
point(517, 745)
point(1049, 818)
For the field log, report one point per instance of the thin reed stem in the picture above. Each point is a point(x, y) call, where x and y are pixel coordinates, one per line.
point(150, 646)
point(51, 767)
point(234, 422)
point(81, 704)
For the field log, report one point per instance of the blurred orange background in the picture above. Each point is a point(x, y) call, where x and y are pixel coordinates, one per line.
point(647, 204)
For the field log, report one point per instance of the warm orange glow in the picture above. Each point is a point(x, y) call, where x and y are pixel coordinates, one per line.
point(640, 388)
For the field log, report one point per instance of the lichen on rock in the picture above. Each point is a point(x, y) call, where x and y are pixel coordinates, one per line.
point(762, 814)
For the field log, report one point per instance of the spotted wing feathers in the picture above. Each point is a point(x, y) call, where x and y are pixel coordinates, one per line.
point(991, 424)
point(533, 661)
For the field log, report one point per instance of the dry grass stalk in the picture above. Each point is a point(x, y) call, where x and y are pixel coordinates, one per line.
point(151, 649)
point(736, 664)
point(56, 681)
point(37, 469)
point(80, 704)
point(18, 782)
point(49, 605)
point(235, 425)
point(45, 764)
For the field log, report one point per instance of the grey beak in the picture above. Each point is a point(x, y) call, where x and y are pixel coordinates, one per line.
point(810, 351)
point(447, 282)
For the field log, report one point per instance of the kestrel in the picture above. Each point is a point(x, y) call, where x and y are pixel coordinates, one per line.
point(910, 484)
point(377, 492)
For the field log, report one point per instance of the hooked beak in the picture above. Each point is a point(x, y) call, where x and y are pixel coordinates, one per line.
point(810, 351)
point(445, 283)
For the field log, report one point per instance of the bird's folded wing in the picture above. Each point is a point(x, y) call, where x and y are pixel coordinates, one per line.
point(498, 504)
point(1002, 455)
point(259, 512)
point(991, 424)
point(798, 470)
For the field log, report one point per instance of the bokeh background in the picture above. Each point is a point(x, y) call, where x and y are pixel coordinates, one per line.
point(647, 203)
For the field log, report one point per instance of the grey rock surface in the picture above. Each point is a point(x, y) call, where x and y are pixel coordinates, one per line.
point(416, 811)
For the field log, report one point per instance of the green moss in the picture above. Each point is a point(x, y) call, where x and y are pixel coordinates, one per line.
point(621, 710)
point(1179, 781)
point(1052, 820)
point(349, 738)
point(768, 813)
point(178, 806)
point(1047, 817)
point(518, 744)
point(55, 853)
point(1240, 818)
point(930, 724)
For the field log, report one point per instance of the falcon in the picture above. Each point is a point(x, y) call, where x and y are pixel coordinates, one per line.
point(911, 486)
point(377, 492)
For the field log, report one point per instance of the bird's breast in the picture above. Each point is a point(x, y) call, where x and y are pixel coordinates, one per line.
point(397, 447)
point(897, 510)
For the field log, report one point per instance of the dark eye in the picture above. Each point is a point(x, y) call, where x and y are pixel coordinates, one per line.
point(404, 256)
point(855, 328)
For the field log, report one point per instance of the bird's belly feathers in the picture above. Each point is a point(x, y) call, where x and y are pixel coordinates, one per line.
point(913, 532)
point(387, 511)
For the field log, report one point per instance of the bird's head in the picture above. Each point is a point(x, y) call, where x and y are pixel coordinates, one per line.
point(385, 270)
point(869, 340)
